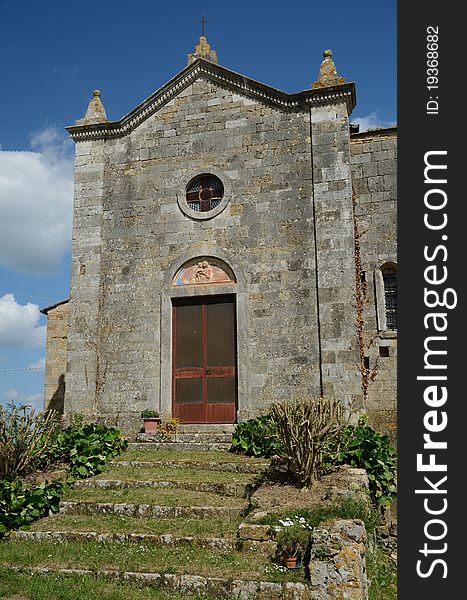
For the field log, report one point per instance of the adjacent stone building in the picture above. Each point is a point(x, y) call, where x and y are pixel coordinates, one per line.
point(233, 245)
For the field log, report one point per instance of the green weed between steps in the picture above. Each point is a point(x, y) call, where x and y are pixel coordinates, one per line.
point(205, 456)
point(25, 586)
point(143, 557)
point(124, 524)
point(382, 573)
point(161, 473)
point(346, 509)
point(153, 495)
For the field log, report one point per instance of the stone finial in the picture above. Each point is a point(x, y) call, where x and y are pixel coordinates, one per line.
point(327, 73)
point(95, 113)
point(203, 50)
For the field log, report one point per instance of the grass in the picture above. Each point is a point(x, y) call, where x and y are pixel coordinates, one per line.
point(167, 474)
point(25, 586)
point(346, 509)
point(141, 557)
point(157, 496)
point(124, 524)
point(382, 573)
point(207, 456)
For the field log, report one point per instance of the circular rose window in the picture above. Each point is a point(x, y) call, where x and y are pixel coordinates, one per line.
point(204, 193)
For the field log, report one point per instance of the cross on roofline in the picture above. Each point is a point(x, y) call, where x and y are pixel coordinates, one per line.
point(203, 22)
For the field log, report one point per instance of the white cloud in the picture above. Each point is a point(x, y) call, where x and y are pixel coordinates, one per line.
point(35, 401)
point(372, 121)
point(39, 364)
point(36, 197)
point(19, 324)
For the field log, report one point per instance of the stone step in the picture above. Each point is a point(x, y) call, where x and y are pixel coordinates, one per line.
point(226, 489)
point(238, 467)
point(182, 446)
point(226, 544)
point(206, 428)
point(167, 539)
point(213, 587)
point(186, 438)
point(224, 513)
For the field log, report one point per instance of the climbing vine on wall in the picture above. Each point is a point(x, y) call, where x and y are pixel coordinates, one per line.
point(361, 289)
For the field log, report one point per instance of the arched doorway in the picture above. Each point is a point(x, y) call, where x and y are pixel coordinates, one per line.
point(204, 346)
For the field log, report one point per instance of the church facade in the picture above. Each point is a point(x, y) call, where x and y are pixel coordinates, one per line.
point(233, 246)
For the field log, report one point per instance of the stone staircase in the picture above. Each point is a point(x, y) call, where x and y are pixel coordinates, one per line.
point(188, 437)
point(160, 519)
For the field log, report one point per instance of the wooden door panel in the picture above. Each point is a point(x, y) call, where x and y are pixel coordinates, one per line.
point(221, 413)
point(204, 360)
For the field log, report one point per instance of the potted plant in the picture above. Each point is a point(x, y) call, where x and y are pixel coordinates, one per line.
point(151, 420)
point(292, 537)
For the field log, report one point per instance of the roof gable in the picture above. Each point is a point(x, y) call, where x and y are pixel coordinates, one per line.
point(237, 83)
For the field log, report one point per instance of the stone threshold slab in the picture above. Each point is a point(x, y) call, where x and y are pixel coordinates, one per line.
point(203, 438)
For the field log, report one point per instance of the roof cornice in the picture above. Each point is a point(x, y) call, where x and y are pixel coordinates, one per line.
point(225, 78)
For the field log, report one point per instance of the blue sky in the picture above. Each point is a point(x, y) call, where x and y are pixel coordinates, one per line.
point(56, 52)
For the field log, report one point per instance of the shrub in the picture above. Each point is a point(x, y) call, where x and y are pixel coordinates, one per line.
point(364, 448)
point(86, 449)
point(293, 535)
point(20, 507)
point(256, 437)
point(308, 431)
point(24, 435)
point(148, 413)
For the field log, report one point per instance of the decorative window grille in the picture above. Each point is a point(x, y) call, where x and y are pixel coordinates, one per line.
point(204, 193)
point(390, 295)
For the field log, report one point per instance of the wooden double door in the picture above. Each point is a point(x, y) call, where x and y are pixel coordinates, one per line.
point(204, 369)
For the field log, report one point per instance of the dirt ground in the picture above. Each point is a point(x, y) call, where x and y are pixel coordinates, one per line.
point(277, 494)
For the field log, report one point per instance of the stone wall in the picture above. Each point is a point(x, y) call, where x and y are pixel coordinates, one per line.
point(294, 181)
point(374, 155)
point(129, 195)
point(56, 351)
point(338, 564)
point(84, 369)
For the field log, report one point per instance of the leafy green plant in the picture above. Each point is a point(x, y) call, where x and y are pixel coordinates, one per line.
point(20, 507)
point(321, 553)
point(149, 413)
point(256, 437)
point(24, 435)
point(308, 429)
point(293, 536)
point(364, 448)
point(86, 449)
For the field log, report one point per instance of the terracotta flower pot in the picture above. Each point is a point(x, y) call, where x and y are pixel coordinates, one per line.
point(291, 562)
point(151, 425)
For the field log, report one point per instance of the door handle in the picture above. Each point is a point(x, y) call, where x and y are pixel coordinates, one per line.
point(208, 372)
